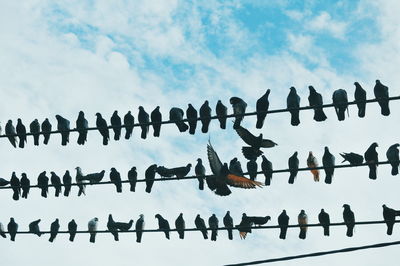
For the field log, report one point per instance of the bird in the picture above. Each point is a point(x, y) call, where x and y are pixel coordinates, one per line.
point(56, 182)
point(115, 177)
point(112, 228)
point(34, 228)
point(252, 168)
point(239, 109)
point(244, 227)
point(283, 221)
point(349, 220)
point(124, 227)
point(392, 155)
point(328, 161)
point(205, 116)
point(11, 133)
point(63, 125)
point(46, 129)
point(144, 119)
point(180, 226)
point(340, 103)
point(179, 172)
point(324, 220)
point(132, 177)
point(92, 228)
point(21, 131)
point(72, 227)
point(150, 174)
point(389, 215)
point(116, 123)
point(382, 95)
point(12, 229)
point(54, 227)
point(262, 106)
point(371, 157)
point(34, 128)
point(201, 225)
point(176, 115)
point(223, 177)
point(293, 103)
point(94, 178)
point(16, 186)
point(213, 224)
point(101, 125)
point(67, 180)
point(4, 182)
point(315, 100)
point(259, 220)
point(255, 143)
point(200, 172)
point(82, 125)
point(156, 118)
point(139, 226)
point(312, 162)
point(228, 223)
point(129, 121)
point(191, 115)
point(235, 167)
point(25, 185)
point(303, 220)
point(2, 231)
point(266, 167)
point(352, 158)
point(79, 177)
point(293, 163)
point(222, 112)
point(163, 225)
point(43, 183)
point(360, 95)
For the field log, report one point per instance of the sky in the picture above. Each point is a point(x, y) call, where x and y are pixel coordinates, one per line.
point(99, 56)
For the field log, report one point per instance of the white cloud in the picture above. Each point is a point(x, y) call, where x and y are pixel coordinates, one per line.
point(323, 23)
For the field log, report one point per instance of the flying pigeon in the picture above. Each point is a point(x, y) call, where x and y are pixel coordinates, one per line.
point(25, 185)
point(382, 95)
point(392, 155)
point(63, 125)
point(312, 162)
point(371, 157)
point(16, 186)
point(10, 130)
point(205, 116)
point(180, 226)
point(92, 228)
point(72, 227)
point(303, 220)
point(293, 102)
point(21, 131)
point(34, 228)
point(156, 118)
point(228, 223)
point(262, 106)
point(163, 225)
point(56, 182)
point(67, 180)
point(293, 167)
point(283, 221)
point(360, 95)
point(222, 112)
point(201, 225)
point(328, 161)
point(389, 215)
point(340, 103)
point(12, 228)
point(139, 228)
point(191, 114)
point(176, 115)
point(129, 121)
point(200, 171)
point(144, 119)
point(325, 221)
point(252, 169)
point(213, 224)
point(239, 109)
point(54, 227)
point(116, 123)
point(101, 125)
point(46, 129)
point(150, 174)
point(43, 183)
point(352, 158)
point(82, 126)
point(255, 143)
point(315, 101)
point(132, 177)
point(349, 220)
point(266, 167)
point(34, 128)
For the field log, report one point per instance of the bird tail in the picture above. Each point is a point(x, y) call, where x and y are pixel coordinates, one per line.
point(291, 178)
point(182, 235)
point(51, 239)
point(21, 143)
point(92, 237)
point(237, 122)
point(223, 190)
point(204, 127)
point(156, 132)
point(282, 234)
point(389, 229)
point(326, 231)
point(230, 234)
point(143, 135)
point(46, 139)
point(182, 126)
point(3, 234)
point(315, 174)
point(222, 122)
point(148, 189)
point(214, 235)
point(361, 110)
point(138, 237)
point(372, 171)
point(117, 134)
point(119, 188)
point(319, 115)
point(132, 188)
point(36, 140)
point(328, 179)
point(128, 133)
point(201, 183)
point(44, 193)
point(260, 120)
point(303, 233)
point(71, 237)
point(295, 120)
point(105, 140)
point(349, 232)
point(167, 234)
point(66, 191)
point(340, 114)
point(385, 108)
point(16, 195)
point(25, 194)
point(395, 170)
point(205, 235)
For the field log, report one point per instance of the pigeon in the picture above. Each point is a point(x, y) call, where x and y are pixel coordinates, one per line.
point(156, 118)
point(239, 109)
point(382, 95)
point(176, 115)
point(21, 131)
point(63, 125)
point(4, 182)
point(315, 100)
point(124, 227)
point(180, 226)
point(2, 231)
point(143, 118)
point(43, 184)
point(46, 129)
point(228, 223)
point(213, 224)
point(245, 226)
point(82, 125)
point(259, 220)
point(201, 225)
point(12, 228)
point(191, 114)
point(352, 158)
point(116, 123)
point(371, 157)
point(266, 167)
point(340, 103)
point(56, 182)
point(139, 228)
point(360, 95)
point(252, 169)
point(79, 180)
point(262, 106)
point(200, 172)
point(389, 215)
point(25, 185)
point(302, 219)
point(34, 128)
point(67, 180)
point(112, 228)
point(72, 227)
point(54, 227)
point(115, 177)
point(163, 225)
point(293, 103)
point(150, 174)
point(283, 221)
point(179, 172)
point(129, 121)
point(34, 228)
point(255, 143)
point(325, 221)
point(94, 178)
point(92, 228)
point(328, 161)
point(132, 177)
point(392, 155)
point(312, 162)
point(16, 186)
point(222, 112)
point(101, 125)
point(235, 167)
point(293, 167)
point(10, 131)
point(205, 116)
point(349, 220)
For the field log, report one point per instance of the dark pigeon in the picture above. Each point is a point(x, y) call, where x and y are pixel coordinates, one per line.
point(139, 228)
point(179, 172)
point(129, 121)
point(252, 169)
point(239, 109)
point(101, 125)
point(352, 158)
point(116, 122)
point(382, 94)
point(340, 103)
point(222, 112)
point(176, 115)
point(235, 167)
point(124, 227)
point(156, 118)
point(10, 130)
point(328, 161)
point(82, 126)
point(143, 118)
point(191, 115)
point(112, 228)
point(25, 185)
point(132, 177)
point(35, 130)
point(255, 143)
point(244, 227)
point(63, 125)
point(371, 157)
point(163, 225)
point(16, 186)
point(293, 102)
point(360, 95)
point(56, 182)
point(389, 215)
point(392, 155)
point(205, 116)
point(34, 228)
point(228, 223)
point(349, 220)
point(115, 178)
point(213, 224)
point(315, 100)
point(21, 131)
point(259, 220)
point(72, 228)
point(67, 181)
point(201, 225)
point(12, 228)
point(293, 167)
point(324, 220)
point(43, 183)
point(150, 174)
point(180, 226)
point(54, 228)
point(266, 167)
point(283, 221)
point(200, 171)
point(46, 129)
point(262, 106)
point(4, 182)
point(94, 178)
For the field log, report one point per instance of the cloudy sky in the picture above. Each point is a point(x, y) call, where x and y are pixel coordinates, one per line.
point(101, 56)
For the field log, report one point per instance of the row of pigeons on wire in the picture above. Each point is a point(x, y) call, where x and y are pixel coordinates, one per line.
point(340, 101)
point(244, 227)
point(222, 174)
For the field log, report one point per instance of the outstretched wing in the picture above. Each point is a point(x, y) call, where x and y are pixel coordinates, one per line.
point(242, 182)
point(246, 136)
point(267, 143)
point(213, 159)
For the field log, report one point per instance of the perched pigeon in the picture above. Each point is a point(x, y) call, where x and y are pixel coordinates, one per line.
point(149, 175)
point(34, 228)
point(205, 116)
point(252, 169)
point(112, 228)
point(124, 227)
point(389, 215)
point(2, 231)
point(21, 131)
point(303, 220)
point(371, 157)
point(12, 228)
point(163, 225)
point(129, 121)
point(25, 185)
point(180, 226)
point(139, 228)
point(43, 183)
point(56, 182)
point(144, 119)
point(101, 125)
point(10, 130)
point(46, 129)
point(156, 118)
point(312, 162)
point(79, 180)
point(92, 228)
point(72, 228)
point(255, 143)
point(382, 94)
point(349, 220)
point(262, 106)
point(266, 167)
point(245, 226)
point(4, 182)
point(352, 158)
point(315, 101)
point(328, 161)
point(228, 223)
point(191, 114)
point(200, 171)
point(239, 109)
point(179, 172)
point(201, 225)
point(213, 224)
point(293, 103)
point(283, 221)
point(63, 125)
point(360, 95)
point(176, 115)
point(325, 221)
point(82, 125)
point(54, 228)
point(35, 130)
point(67, 180)
point(16, 186)
point(94, 178)
point(115, 177)
point(132, 177)
point(293, 167)
point(116, 123)
point(392, 155)
point(235, 167)
point(222, 112)
point(340, 103)
point(259, 220)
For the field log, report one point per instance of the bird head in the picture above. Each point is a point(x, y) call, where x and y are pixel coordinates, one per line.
point(19, 120)
point(52, 173)
point(115, 112)
point(157, 216)
point(199, 160)
point(295, 153)
point(141, 108)
point(133, 168)
point(268, 92)
point(346, 206)
point(384, 206)
point(228, 212)
point(189, 165)
point(58, 117)
point(284, 211)
point(377, 81)
point(356, 83)
point(9, 122)
point(375, 144)
point(292, 89)
point(96, 219)
point(81, 113)
point(98, 115)
point(326, 149)
point(311, 88)
point(268, 217)
point(113, 169)
point(141, 216)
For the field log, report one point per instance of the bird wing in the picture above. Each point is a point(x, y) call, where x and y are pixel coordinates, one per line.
point(213, 159)
point(242, 182)
point(246, 136)
point(267, 143)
